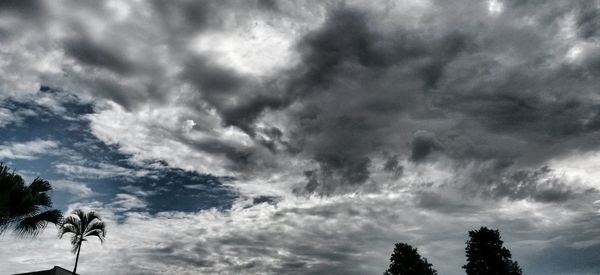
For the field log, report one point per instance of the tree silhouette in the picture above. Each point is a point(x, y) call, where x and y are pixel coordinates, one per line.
point(406, 261)
point(25, 208)
point(486, 254)
point(82, 225)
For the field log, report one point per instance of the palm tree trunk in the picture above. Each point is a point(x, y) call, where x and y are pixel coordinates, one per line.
point(77, 258)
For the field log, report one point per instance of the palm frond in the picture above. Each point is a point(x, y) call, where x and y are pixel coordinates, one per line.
point(32, 225)
point(74, 222)
point(38, 190)
point(100, 233)
point(41, 200)
point(24, 208)
point(3, 169)
point(8, 178)
point(80, 214)
point(82, 224)
point(66, 228)
point(39, 186)
point(90, 219)
point(96, 228)
point(53, 216)
point(96, 224)
point(74, 243)
point(5, 219)
point(18, 202)
point(5, 225)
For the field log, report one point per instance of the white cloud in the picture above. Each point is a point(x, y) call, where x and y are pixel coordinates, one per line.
point(262, 48)
point(103, 170)
point(495, 7)
point(154, 132)
point(27, 150)
point(124, 202)
point(347, 234)
point(77, 189)
point(138, 191)
point(7, 117)
point(188, 125)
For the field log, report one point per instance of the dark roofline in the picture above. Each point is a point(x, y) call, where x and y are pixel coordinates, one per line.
point(47, 271)
point(58, 267)
point(63, 269)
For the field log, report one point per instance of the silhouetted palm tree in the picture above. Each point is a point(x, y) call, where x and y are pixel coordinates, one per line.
point(25, 208)
point(82, 225)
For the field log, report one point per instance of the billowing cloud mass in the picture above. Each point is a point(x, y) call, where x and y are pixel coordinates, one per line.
point(318, 133)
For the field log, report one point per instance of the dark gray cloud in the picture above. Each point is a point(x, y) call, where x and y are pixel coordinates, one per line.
point(423, 144)
point(350, 86)
point(240, 158)
point(214, 82)
point(536, 184)
point(588, 22)
point(239, 100)
point(498, 89)
point(392, 164)
point(94, 54)
point(26, 8)
point(438, 202)
point(183, 18)
point(484, 88)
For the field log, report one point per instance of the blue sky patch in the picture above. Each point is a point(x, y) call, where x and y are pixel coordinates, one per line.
point(55, 142)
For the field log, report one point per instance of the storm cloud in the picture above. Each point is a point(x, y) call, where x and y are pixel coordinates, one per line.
point(385, 113)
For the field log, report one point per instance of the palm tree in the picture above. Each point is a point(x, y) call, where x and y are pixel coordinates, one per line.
point(25, 208)
point(82, 225)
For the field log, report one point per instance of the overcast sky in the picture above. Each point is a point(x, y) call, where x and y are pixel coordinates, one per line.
point(305, 137)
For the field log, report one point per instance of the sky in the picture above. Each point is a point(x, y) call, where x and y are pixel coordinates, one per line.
point(305, 137)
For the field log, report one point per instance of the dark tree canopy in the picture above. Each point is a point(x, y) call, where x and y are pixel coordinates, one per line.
point(25, 208)
point(486, 254)
point(406, 261)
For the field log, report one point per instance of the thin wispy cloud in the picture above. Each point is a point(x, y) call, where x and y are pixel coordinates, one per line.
point(77, 189)
point(27, 150)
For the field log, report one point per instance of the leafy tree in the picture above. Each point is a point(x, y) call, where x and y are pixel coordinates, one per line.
point(82, 225)
point(25, 208)
point(486, 254)
point(406, 261)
